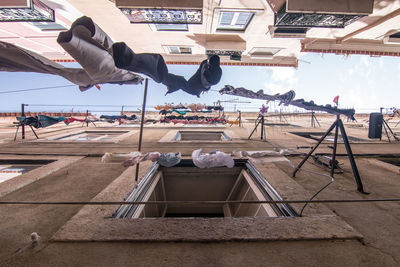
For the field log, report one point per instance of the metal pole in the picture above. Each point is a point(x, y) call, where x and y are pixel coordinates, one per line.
point(388, 127)
point(87, 114)
point(255, 128)
point(37, 137)
point(314, 148)
point(335, 146)
point(262, 126)
point(141, 124)
point(23, 124)
point(351, 158)
point(312, 119)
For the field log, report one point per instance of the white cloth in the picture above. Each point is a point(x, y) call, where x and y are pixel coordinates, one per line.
point(213, 159)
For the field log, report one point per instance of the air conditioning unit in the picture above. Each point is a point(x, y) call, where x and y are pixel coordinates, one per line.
point(284, 32)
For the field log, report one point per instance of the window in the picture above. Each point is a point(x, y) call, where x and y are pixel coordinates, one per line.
point(392, 39)
point(171, 27)
point(264, 52)
point(185, 182)
point(286, 32)
point(12, 168)
point(48, 26)
point(178, 49)
point(236, 21)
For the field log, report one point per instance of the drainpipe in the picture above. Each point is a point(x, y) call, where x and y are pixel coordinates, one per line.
point(141, 125)
point(372, 25)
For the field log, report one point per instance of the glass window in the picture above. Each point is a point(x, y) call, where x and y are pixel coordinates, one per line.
point(234, 20)
point(171, 27)
point(179, 50)
point(48, 26)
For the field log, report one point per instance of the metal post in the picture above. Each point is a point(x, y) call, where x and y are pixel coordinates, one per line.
point(87, 114)
point(37, 137)
point(314, 148)
point(312, 119)
point(141, 124)
point(255, 128)
point(262, 127)
point(335, 146)
point(388, 127)
point(240, 118)
point(351, 158)
point(23, 124)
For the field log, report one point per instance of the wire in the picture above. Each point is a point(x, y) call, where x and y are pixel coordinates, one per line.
point(54, 105)
point(196, 202)
point(36, 89)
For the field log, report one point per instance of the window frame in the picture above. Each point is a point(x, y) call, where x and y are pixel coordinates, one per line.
point(167, 49)
point(235, 17)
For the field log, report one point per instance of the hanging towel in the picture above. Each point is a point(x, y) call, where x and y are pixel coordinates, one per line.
point(213, 159)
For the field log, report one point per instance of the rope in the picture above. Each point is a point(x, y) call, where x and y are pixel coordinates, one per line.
point(35, 89)
point(202, 202)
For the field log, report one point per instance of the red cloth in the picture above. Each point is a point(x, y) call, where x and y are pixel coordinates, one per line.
point(72, 119)
point(336, 100)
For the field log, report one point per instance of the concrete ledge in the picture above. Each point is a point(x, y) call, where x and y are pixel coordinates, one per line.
point(206, 229)
point(94, 223)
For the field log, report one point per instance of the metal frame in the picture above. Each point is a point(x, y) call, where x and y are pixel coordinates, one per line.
point(338, 124)
point(260, 120)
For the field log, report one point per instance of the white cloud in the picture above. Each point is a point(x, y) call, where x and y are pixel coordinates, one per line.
point(281, 80)
point(284, 74)
point(365, 61)
point(275, 87)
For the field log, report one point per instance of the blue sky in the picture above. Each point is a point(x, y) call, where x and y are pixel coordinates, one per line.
point(362, 82)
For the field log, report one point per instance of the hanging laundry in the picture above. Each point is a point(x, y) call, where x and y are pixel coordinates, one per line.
point(29, 121)
point(196, 107)
point(180, 106)
point(91, 47)
point(40, 121)
point(175, 83)
point(310, 105)
point(169, 159)
point(288, 98)
point(236, 122)
point(72, 119)
point(117, 157)
point(113, 118)
point(87, 43)
point(209, 73)
point(216, 108)
point(263, 110)
point(212, 159)
point(179, 121)
point(16, 59)
point(285, 98)
point(138, 157)
point(133, 158)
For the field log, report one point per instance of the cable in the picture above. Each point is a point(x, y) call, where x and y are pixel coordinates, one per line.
point(36, 89)
point(54, 105)
point(203, 202)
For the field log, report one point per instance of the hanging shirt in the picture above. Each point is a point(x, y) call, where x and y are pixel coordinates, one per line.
point(213, 159)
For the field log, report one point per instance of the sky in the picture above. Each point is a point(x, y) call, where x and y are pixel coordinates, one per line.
point(362, 82)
